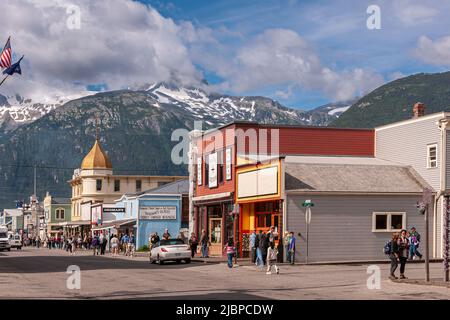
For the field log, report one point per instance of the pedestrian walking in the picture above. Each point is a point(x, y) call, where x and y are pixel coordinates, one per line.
point(263, 246)
point(230, 250)
point(414, 241)
point(392, 250)
point(403, 248)
point(291, 248)
point(181, 236)
point(272, 254)
point(252, 244)
point(193, 244)
point(204, 241)
point(114, 246)
point(102, 243)
point(131, 245)
point(95, 244)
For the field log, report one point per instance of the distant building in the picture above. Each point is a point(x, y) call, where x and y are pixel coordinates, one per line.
point(57, 212)
point(95, 183)
point(152, 211)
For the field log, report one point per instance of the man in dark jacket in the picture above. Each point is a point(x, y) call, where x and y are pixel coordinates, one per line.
point(263, 246)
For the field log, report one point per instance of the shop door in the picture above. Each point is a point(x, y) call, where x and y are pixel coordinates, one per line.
point(215, 236)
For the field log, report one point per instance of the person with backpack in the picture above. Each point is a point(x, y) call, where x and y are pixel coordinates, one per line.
point(414, 241)
point(231, 251)
point(403, 249)
point(391, 249)
point(272, 253)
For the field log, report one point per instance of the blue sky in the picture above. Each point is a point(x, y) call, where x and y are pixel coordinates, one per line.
point(301, 53)
point(336, 30)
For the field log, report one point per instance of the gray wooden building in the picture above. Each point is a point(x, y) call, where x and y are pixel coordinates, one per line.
point(359, 203)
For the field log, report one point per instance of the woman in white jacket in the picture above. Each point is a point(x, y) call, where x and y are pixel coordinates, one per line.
point(272, 254)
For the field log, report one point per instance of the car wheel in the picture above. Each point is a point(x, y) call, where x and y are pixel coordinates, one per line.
point(187, 260)
point(151, 260)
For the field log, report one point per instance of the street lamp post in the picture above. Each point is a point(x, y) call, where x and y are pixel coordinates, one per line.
point(423, 209)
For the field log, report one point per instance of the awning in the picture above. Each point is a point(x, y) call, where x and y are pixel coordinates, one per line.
point(74, 224)
point(216, 196)
point(115, 224)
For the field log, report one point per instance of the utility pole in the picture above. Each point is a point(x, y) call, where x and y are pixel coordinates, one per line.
point(423, 209)
point(427, 244)
point(446, 235)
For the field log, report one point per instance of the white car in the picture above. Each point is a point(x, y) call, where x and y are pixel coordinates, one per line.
point(15, 241)
point(170, 250)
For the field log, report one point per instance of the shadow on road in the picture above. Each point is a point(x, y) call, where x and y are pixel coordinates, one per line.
point(41, 264)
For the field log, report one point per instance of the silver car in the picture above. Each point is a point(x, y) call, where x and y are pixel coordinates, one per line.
point(170, 250)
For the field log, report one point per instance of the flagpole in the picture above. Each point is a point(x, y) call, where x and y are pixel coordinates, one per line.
point(4, 79)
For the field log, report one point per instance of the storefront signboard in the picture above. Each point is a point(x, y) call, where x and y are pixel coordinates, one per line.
point(228, 164)
point(212, 162)
point(158, 213)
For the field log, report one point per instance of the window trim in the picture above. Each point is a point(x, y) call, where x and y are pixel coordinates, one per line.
point(136, 185)
point(56, 213)
point(118, 189)
point(97, 184)
point(429, 147)
point(389, 215)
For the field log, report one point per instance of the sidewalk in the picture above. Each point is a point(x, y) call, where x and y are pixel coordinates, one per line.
point(433, 282)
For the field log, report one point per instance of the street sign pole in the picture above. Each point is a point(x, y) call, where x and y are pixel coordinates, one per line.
point(307, 204)
point(308, 214)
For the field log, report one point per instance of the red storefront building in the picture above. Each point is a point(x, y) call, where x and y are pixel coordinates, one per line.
point(243, 148)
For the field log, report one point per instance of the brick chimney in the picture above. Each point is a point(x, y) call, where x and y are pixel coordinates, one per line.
point(418, 110)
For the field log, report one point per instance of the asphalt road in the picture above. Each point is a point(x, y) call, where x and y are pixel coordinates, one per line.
point(41, 273)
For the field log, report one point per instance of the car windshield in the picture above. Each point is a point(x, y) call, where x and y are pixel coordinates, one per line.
point(171, 242)
point(17, 237)
point(3, 235)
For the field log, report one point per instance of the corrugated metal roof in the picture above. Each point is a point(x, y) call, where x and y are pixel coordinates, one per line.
point(61, 201)
point(370, 177)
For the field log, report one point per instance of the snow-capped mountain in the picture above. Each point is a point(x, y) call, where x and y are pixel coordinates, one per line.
point(213, 108)
point(216, 108)
point(17, 110)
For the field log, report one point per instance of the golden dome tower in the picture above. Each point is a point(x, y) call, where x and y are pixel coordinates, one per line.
point(96, 158)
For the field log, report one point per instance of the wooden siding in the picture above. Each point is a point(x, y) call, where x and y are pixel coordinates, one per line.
point(341, 226)
point(293, 140)
point(407, 144)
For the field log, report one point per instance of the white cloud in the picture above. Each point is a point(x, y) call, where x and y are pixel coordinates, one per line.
point(436, 52)
point(120, 42)
point(123, 43)
point(413, 12)
point(280, 57)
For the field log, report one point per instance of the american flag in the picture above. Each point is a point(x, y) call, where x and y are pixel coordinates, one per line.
point(5, 57)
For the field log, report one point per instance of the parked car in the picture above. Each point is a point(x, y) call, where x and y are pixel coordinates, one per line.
point(170, 250)
point(4, 241)
point(15, 241)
